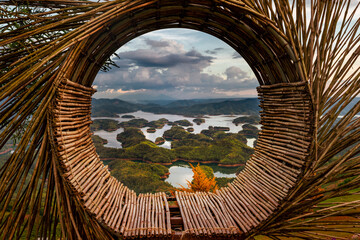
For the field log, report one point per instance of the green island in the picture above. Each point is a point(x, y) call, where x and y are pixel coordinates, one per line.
point(252, 119)
point(220, 128)
point(127, 116)
point(143, 165)
point(226, 149)
point(213, 134)
point(149, 174)
point(184, 123)
point(151, 130)
point(249, 131)
point(108, 125)
point(138, 122)
point(159, 141)
point(199, 121)
point(130, 137)
point(175, 133)
point(190, 129)
point(160, 123)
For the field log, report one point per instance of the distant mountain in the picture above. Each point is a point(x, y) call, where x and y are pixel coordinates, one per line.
point(190, 102)
point(160, 102)
point(185, 102)
point(105, 107)
point(112, 107)
point(244, 106)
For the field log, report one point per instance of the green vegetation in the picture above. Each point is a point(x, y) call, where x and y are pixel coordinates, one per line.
point(249, 131)
point(222, 135)
point(190, 129)
point(224, 151)
point(217, 135)
point(108, 125)
point(151, 130)
point(141, 177)
point(148, 151)
point(211, 131)
point(253, 119)
point(199, 121)
point(160, 123)
point(127, 116)
point(139, 123)
point(221, 148)
point(221, 128)
point(98, 140)
point(209, 172)
point(184, 123)
point(223, 181)
point(226, 148)
point(159, 141)
point(175, 133)
point(249, 127)
point(130, 137)
point(192, 140)
point(243, 106)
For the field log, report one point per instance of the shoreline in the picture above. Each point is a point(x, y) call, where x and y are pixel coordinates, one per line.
point(175, 160)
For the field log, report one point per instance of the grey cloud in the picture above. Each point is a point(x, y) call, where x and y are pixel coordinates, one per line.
point(151, 58)
point(169, 67)
point(236, 55)
point(181, 76)
point(156, 44)
point(214, 51)
point(235, 73)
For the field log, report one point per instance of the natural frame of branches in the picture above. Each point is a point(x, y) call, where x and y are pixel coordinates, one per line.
point(36, 37)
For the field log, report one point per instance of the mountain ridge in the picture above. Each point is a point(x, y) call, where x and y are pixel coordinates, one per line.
point(112, 107)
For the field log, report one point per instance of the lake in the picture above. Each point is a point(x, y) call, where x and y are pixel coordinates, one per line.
point(218, 120)
point(180, 171)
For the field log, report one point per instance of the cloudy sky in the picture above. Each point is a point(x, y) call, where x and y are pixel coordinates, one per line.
point(177, 63)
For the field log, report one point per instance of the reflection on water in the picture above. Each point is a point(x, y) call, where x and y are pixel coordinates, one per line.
point(181, 171)
point(219, 120)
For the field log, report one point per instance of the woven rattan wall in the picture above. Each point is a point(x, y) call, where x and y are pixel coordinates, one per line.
point(262, 47)
point(304, 65)
point(279, 159)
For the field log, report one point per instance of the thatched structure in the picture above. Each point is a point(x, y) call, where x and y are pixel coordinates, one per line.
point(303, 53)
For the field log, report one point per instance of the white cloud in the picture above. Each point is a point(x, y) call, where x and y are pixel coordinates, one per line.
point(166, 65)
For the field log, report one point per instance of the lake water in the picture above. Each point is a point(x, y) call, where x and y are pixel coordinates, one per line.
point(218, 120)
point(180, 171)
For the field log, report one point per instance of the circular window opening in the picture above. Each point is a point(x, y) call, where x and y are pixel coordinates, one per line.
point(172, 105)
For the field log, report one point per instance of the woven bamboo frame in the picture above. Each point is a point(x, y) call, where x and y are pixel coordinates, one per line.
point(256, 193)
point(305, 76)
